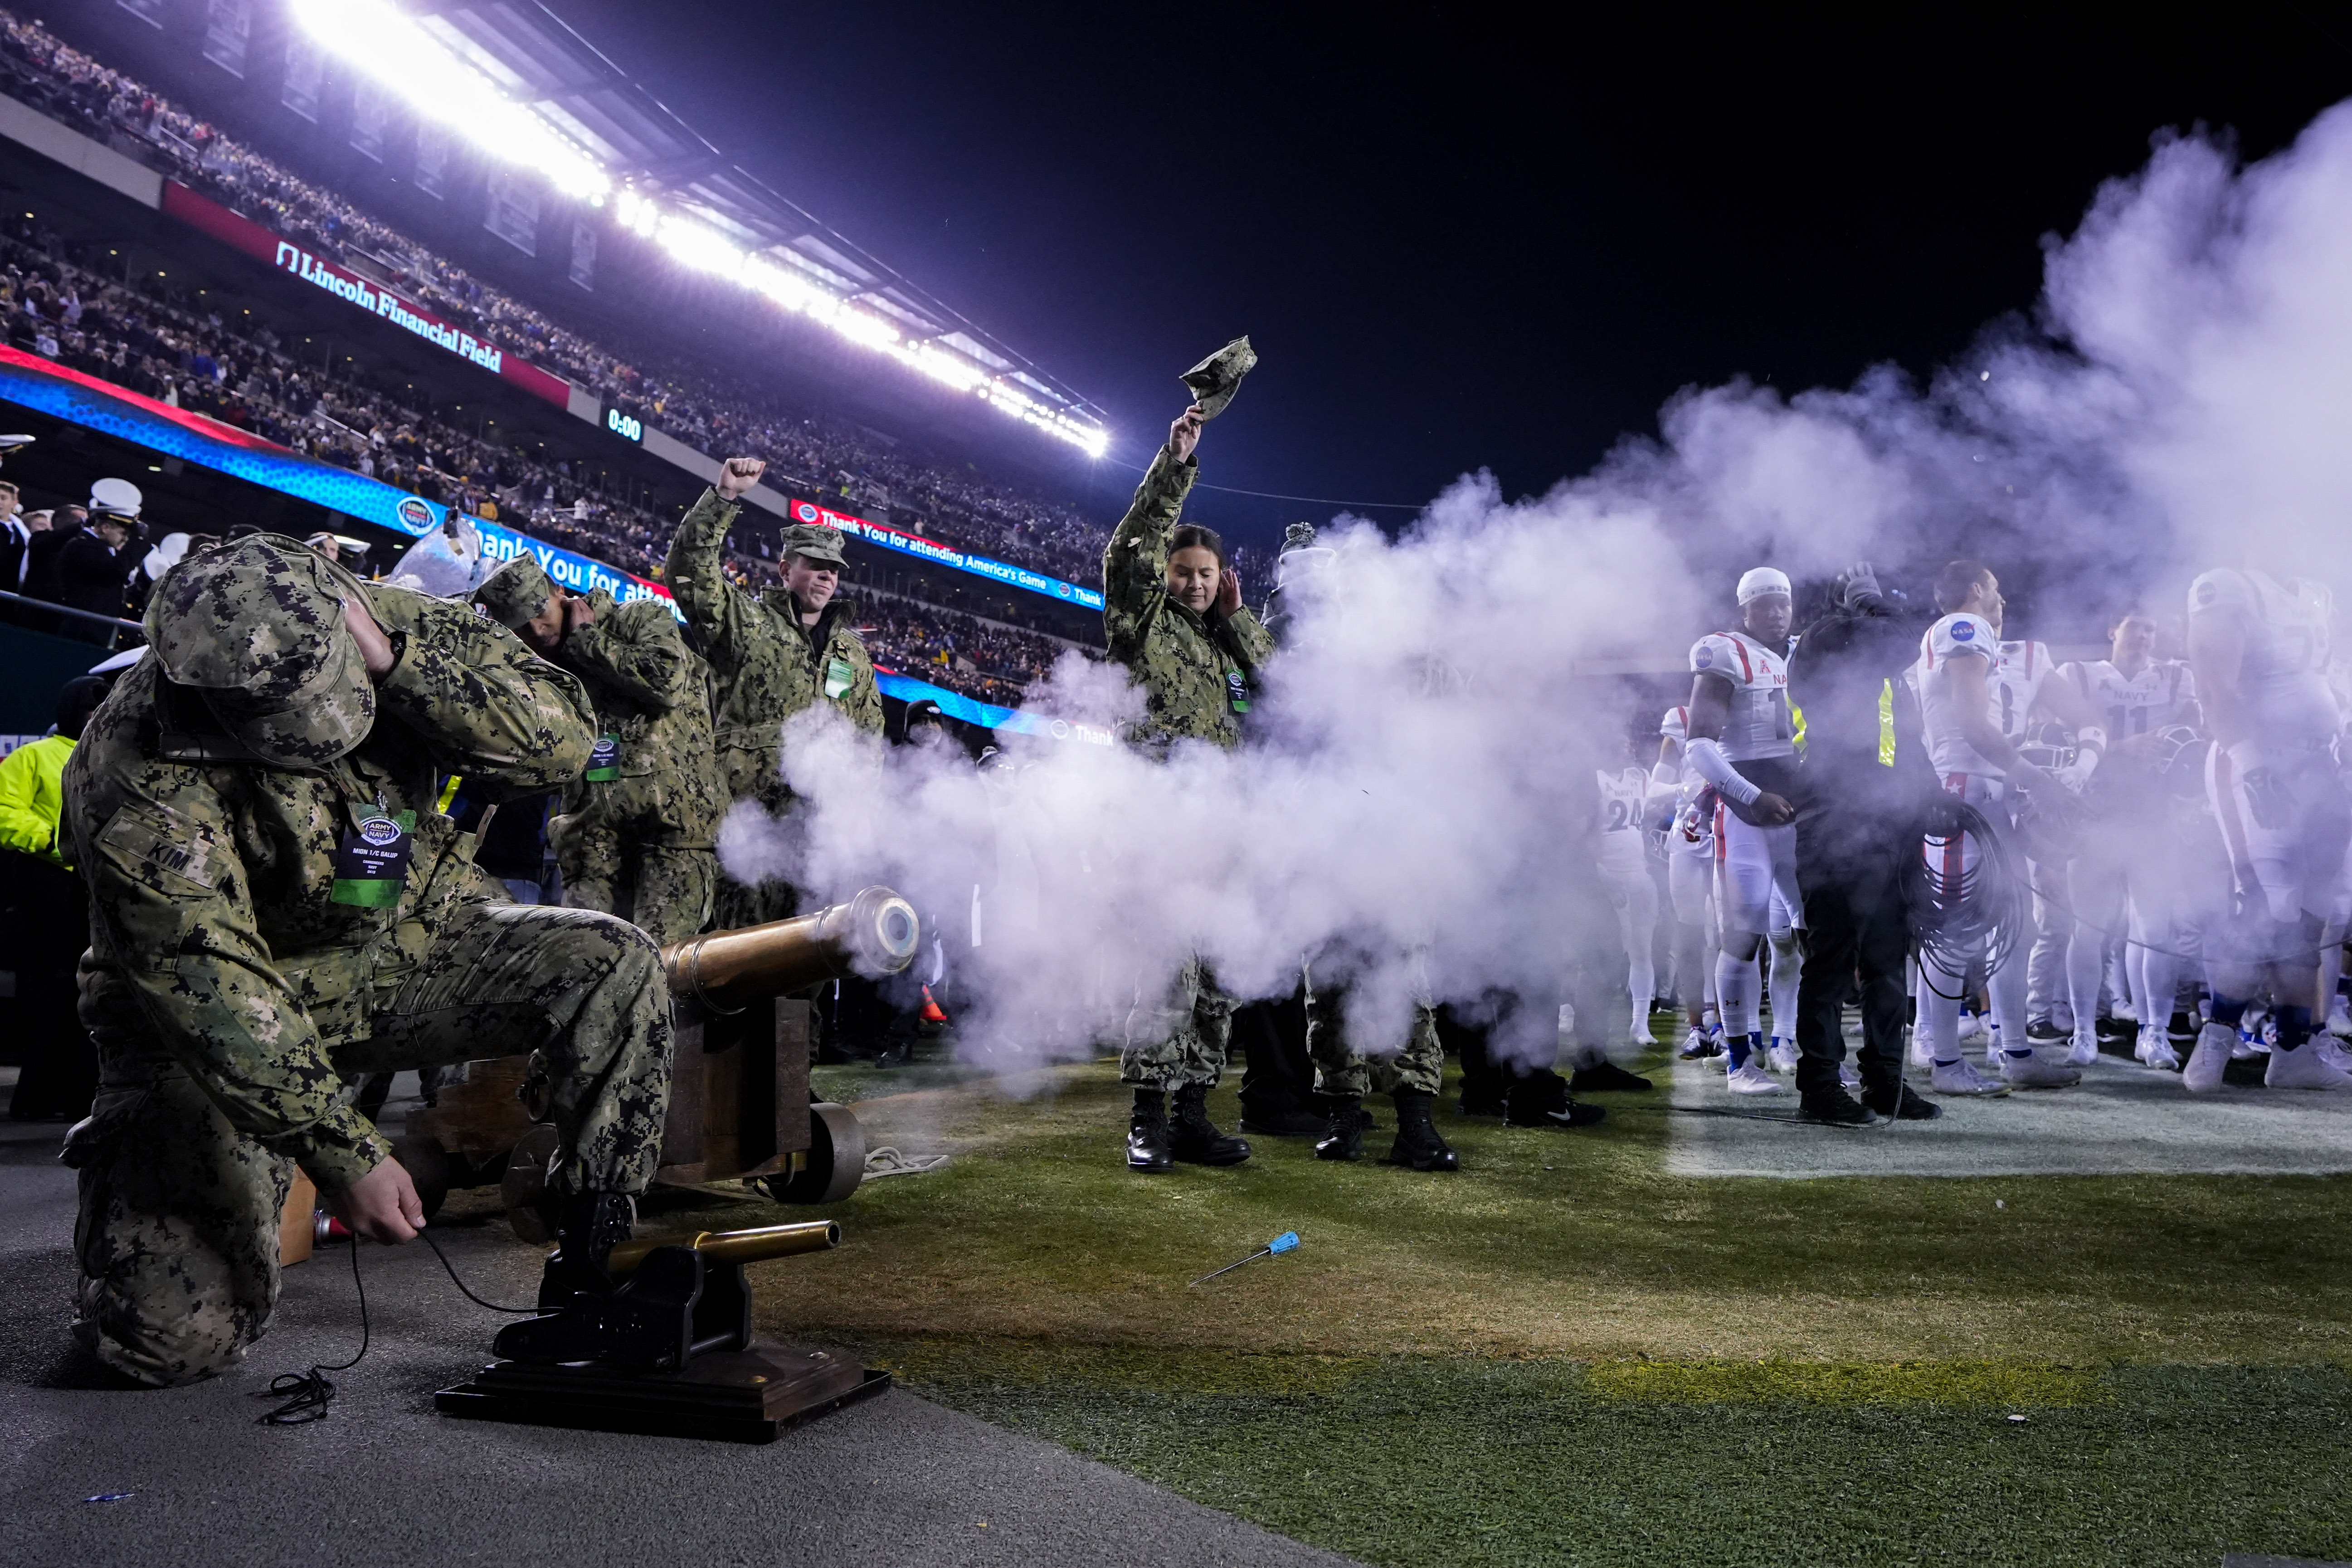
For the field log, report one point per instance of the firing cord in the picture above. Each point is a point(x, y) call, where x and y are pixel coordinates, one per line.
point(305, 1395)
point(477, 1301)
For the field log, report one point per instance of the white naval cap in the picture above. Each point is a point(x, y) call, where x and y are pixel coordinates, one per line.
point(1759, 581)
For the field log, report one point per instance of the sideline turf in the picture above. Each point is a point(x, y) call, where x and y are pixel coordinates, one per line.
point(1567, 1354)
point(1411, 1462)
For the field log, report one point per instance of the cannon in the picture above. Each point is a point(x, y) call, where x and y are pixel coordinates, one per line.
point(670, 1351)
point(739, 1105)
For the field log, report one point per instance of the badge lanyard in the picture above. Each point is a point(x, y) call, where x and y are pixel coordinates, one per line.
point(372, 864)
point(604, 760)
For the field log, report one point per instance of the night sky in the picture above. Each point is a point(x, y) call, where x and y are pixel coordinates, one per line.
point(1459, 238)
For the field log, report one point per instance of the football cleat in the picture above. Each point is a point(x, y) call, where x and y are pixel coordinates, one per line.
point(2302, 1068)
point(1958, 1077)
point(1782, 1053)
point(2032, 1071)
point(2083, 1051)
point(1699, 1045)
point(2156, 1050)
point(2209, 1060)
point(1751, 1078)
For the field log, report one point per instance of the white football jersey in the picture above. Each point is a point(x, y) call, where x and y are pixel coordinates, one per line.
point(1760, 725)
point(1968, 637)
point(2283, 680)
point(2161, 695)
point(1625, 811)
point(2016, 678)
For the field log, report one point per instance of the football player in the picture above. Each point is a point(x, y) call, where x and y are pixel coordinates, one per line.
point(1743, 743)
point(2260, 651)
point(2136, 696)
point(1690, 887)
point(1975, 696)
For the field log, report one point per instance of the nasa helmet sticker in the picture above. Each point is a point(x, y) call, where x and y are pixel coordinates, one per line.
point(1704, 656)
point(1964, 631)
point(2206, 593)
point(371, 863)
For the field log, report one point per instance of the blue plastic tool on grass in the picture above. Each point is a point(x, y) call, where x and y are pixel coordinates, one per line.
point(1286, 1242)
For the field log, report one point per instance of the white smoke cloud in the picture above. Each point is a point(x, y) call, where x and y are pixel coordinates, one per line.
point(1413, 800)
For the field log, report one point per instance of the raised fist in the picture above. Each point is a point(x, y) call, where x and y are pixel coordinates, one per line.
point(737, 475)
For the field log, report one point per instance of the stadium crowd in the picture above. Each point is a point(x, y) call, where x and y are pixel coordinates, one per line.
point(168, 344)
point(707, 407)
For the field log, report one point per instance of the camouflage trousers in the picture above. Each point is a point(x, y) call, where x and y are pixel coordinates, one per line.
point(1181, 1039)
point(177, 1236)
point(666, 890)
point(1341, 1068)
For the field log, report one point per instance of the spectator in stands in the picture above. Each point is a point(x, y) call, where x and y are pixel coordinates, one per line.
point(94, 566)
point(60, 1070)
point(15, 540)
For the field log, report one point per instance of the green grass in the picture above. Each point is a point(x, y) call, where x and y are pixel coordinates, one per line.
point(1441, 1461)
point(1564, 1354)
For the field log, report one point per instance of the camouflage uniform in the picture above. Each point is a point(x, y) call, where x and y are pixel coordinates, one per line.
point(765, 667)
point(640, 842)
point(1194, 671)
point(1340, 1068)
point(237, 984)
point(1193, 668)
point(1182, 1040)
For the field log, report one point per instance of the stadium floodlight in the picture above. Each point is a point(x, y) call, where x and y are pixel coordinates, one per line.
point(388, 46)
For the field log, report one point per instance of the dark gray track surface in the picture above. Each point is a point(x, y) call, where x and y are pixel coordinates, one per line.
point(894, 1481)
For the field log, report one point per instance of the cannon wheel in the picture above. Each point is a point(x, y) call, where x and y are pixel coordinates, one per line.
point(836, 1159)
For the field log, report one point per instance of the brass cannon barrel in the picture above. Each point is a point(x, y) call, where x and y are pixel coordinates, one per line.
point(873, 934)
point(724, 1247)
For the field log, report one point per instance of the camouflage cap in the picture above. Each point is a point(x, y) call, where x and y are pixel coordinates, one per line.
point(1215, 379)
point(257, 625)
point(817, 542)
point(515, 593)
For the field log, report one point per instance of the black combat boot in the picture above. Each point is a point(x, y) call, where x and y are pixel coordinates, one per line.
point(1147, 1132)
point(1343, 1136)
point(588, 1226)
point(1418, 1146)
point(1194, 1139)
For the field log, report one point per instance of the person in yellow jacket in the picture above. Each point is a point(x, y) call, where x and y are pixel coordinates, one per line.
point(61, 1069)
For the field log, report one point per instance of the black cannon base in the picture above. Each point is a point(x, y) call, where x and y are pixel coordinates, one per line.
point(735, 1396)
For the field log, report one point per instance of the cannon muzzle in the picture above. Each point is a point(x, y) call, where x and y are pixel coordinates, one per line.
point(873, 934)
point(719, 1248)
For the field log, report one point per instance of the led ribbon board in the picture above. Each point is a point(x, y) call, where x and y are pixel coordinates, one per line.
point(31, 382)
point(34, 383)
point(987, 715)
point(932, 549)
point(362, 293)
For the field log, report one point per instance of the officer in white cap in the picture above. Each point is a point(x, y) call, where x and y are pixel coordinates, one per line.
point(93, 566)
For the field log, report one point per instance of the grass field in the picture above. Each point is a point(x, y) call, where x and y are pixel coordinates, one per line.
point(1563, 1355)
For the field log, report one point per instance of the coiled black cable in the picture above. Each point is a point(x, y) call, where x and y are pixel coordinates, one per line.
point(1965, 914)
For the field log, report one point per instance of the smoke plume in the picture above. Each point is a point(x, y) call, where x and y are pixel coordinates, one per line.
point(1414, 801)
